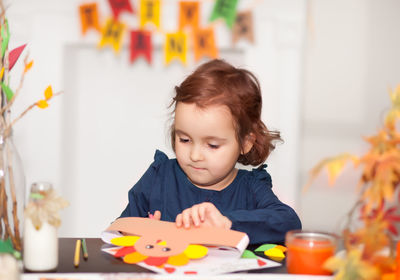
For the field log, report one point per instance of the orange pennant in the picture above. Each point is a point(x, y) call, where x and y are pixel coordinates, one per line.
point(112, 34)
point(189, 14)
point(89, 17)
point(140, 45)
point(204, 43)
point(243, 27)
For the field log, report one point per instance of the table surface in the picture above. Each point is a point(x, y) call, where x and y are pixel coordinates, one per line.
point(101, 262)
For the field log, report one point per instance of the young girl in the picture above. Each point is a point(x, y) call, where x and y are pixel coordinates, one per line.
point(217, 111)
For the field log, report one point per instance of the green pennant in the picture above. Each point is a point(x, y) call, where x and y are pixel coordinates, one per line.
point(5, 37)
point(225, 9)
point(247, 254)
point(265, 247)
point(9, 93)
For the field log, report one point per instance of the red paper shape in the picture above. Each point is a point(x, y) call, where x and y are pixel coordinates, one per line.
point(156, 261)
point(118, 6)
point(124, 251)
point(261, 263)
point(169, 269)
point(14, 55)
point(140, 45)
point(190, 272)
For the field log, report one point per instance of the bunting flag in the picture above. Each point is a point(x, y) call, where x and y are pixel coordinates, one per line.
point(189, 14)
point(112, 34)
point(243, 27)
point(150, 12)
point(140, 44)
point(175, 47)
point(204, 43)
point(119, 6)
point(225, 9)
point(89, 17)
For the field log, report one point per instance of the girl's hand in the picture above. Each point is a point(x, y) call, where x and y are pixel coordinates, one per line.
point(156, 215)
point(204, 213)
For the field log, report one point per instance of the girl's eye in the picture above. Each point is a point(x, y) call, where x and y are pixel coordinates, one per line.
point(183, 140)
point(213, 146)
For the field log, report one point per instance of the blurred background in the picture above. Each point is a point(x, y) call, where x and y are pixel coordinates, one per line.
point(325, 69)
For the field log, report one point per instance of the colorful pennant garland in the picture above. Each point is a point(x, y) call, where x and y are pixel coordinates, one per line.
point(189, 33)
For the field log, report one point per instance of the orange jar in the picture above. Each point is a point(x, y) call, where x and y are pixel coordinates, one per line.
point(308, 250)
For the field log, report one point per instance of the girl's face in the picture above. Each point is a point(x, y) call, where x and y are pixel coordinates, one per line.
point(205, 145)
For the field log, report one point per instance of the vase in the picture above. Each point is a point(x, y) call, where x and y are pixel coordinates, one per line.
point(12, 192)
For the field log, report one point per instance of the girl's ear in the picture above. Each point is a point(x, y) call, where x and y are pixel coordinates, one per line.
point(248, 143)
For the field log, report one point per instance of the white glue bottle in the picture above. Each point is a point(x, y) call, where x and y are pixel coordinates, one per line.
point(40, 242)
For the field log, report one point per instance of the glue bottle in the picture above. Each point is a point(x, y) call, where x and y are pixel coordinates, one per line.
point(40, 243)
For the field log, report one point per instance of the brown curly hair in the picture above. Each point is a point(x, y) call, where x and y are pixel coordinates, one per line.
point(218, 83)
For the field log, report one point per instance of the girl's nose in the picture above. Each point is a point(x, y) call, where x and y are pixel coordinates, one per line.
point(195, 153)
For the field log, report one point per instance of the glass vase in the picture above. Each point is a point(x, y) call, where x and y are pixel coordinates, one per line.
point(12, 192)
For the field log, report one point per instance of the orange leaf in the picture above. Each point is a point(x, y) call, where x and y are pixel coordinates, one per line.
point(28, 66)
point(48, 93)
point(42, 104)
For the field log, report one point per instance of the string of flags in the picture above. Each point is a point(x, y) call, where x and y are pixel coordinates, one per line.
point(189, 36)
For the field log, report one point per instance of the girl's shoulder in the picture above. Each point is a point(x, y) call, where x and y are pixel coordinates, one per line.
point(256, 176)
point(161, 159)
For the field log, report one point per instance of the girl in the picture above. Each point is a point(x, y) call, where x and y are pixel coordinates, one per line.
point(217, 122)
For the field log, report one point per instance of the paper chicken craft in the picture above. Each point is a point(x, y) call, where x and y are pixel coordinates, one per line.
point(164, 248)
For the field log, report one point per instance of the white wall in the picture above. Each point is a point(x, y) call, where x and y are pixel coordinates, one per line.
point(95, 141)
point(351, 60)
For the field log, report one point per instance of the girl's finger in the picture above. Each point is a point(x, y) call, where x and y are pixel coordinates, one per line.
point(178, 220)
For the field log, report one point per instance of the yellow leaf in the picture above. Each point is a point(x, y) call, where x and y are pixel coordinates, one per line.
point(1, 73)
point(125, 240)
point(134, 257)
point(195, 251)
point(178, 260)
point(48, 93)
point(28, 66)
point(42, 104)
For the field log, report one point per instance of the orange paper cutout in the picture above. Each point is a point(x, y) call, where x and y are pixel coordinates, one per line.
point(89, 17)
point(204, 43)
point(243, 27)
point(150, 12)
point(189, 14)
point(112, 34)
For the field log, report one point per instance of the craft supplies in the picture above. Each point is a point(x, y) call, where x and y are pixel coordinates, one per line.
point(84, 249)
point(77, 252)
point(307, 251)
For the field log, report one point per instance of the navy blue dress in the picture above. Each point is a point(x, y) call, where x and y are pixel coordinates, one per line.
point(248, 201)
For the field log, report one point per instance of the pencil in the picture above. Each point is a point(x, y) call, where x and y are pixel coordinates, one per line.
point(84, 248)
point(77, 252)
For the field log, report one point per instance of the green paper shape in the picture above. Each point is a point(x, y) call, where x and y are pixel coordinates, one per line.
point(247, 254)
point(6, 246)
point(265, 247)
point(5, 36)
point(225, 9)
point(9, 93)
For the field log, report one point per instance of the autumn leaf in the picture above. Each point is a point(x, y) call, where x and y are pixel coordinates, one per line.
point(28, 66)
point(352, 267)
point(48, 93)
point(394, 113)
point(42, 104)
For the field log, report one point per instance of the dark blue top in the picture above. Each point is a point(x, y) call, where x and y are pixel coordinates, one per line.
point(248, 201)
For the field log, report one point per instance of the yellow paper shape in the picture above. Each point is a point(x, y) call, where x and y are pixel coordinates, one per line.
point(125, 240)
point(189, 14)
point(195, 251)
point(112, 34)
point(204, 43)
point(134, 257)
point(149, 12)
point(178, 260)
point(162, 243)
point(28, 66)
point(175, 47)
point(282, 248)
point(275, 254)
point(1, 73)
point(89, 17)
point(48, 93)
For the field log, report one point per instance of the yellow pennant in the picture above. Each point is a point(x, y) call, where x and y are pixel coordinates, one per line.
point(204, 43)
point(112, 34)
point(150, 12)
point(175, 47)
point(189, 14)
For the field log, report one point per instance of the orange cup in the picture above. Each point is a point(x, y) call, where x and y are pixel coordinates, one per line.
point(308, 250)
